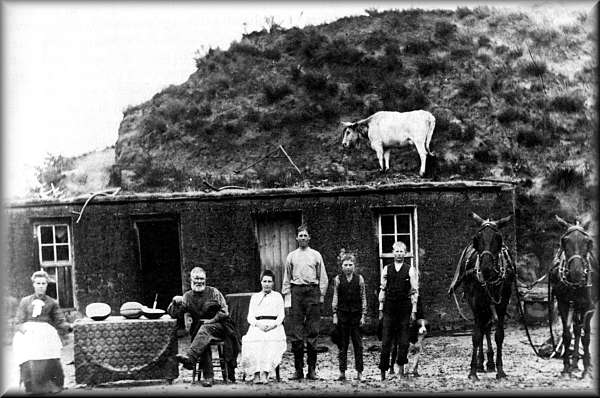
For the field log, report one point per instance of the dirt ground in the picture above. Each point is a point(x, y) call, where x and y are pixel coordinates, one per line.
point(444, 368)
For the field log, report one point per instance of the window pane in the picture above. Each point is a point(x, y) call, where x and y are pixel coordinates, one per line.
point(46, 234)
point(403, 223)
point(387, 224)
point(61, 234)
point(47, 253)
point(386, 244)
point(406, 240)
point(62, 253)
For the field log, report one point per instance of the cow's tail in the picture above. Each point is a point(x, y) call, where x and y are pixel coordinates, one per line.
point(430, 127)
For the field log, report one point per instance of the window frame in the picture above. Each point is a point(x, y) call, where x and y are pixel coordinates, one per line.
point(55, 263)
point(411, 212)
point(52, 267)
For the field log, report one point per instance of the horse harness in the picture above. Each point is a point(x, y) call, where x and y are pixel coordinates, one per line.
point(504, 261)
point(563, 264)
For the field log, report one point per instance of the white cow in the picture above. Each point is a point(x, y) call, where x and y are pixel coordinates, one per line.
point(386, 130)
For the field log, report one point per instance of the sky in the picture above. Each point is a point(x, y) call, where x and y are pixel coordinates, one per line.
point(70, 68)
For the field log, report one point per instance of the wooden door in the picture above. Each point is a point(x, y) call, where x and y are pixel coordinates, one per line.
point(276, 236)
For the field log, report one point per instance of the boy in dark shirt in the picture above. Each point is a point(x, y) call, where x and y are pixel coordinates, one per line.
point(349, 306)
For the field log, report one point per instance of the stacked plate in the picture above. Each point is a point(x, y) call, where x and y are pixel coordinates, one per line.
point(97, 311)
point(131, 310)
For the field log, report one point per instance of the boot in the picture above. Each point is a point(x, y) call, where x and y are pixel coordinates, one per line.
point(299, 375)
point(298, 350)
point(312, 363)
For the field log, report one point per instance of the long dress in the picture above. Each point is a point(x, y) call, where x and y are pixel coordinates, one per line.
point(263, 351)
point(38, 349)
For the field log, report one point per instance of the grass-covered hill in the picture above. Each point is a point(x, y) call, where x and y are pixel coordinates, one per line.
point(513, 97)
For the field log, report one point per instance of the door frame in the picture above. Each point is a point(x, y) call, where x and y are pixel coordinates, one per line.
point(153, 217)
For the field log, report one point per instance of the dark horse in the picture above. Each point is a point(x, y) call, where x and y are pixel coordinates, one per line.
point(487, 274)
point(571, 277)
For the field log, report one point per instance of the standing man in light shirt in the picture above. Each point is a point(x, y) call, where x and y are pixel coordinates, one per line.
point(304, 286)
point(398, 296)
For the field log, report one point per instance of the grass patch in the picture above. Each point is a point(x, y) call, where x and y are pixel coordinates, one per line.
point(485, 155)
point(444, 31)
point(471, 90)
point(566, 178)
point(567, 104)
point(543, 37)
point(461, 52)
point(535, 68)
point(530, 138)
point(274, 92)
point(418, 47)
point(512, 114)
point(429, 66)
point(462, 12)
point(244, 49)
point(484, 41)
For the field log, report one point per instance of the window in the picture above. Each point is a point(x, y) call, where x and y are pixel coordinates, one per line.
point(55, 255)
point(397, 225)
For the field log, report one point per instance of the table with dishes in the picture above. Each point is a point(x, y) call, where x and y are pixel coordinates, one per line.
point(119, 348)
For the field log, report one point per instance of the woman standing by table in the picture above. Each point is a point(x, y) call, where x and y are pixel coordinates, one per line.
point(264, 344)
point(36, 344)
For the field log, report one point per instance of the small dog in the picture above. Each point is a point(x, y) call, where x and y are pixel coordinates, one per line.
point(417, 332)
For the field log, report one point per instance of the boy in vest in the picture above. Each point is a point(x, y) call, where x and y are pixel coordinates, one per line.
point(398, 296)
point(349, 306)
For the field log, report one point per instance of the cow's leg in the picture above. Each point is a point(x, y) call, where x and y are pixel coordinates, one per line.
point(386, 158)
point(423, 155)
point(379, 152)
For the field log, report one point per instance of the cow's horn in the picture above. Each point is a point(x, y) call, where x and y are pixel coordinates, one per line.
point(346, 124)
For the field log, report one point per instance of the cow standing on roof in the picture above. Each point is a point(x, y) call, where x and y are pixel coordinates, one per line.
point(386, 130)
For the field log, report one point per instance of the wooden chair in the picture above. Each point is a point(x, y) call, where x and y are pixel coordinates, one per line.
point(238, 310)
point(219, 361)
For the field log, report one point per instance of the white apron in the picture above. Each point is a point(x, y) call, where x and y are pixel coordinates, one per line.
point(40, 341)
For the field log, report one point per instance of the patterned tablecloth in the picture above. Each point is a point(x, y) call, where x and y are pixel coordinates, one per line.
point(118, 349)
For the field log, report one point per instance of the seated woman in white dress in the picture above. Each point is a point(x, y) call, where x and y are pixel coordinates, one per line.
point(264, 344)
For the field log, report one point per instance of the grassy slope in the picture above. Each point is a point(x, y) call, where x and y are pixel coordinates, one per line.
point(512, 94)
